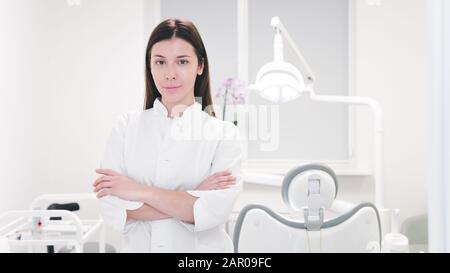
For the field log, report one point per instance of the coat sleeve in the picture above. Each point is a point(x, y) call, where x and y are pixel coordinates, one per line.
point(113, 209)
point(213, 207)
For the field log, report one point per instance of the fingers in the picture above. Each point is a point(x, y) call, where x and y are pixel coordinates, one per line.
point(225, 178)
point(103, 185)
point(225, 185)
point(213, 177)
point(107, 172)
point(102, 178)
point(223, 182)
point(104, 193)
point(226, 172)
point(212, 182)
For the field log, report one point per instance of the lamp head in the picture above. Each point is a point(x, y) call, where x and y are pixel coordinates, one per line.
point(279, 81)
point(275, 22)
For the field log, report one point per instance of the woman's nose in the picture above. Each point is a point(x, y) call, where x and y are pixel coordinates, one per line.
point(170, 77)
point(170, 73)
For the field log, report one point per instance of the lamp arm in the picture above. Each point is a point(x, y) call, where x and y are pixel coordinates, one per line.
point(279, 27)
point(378, 130)
point(385, 213)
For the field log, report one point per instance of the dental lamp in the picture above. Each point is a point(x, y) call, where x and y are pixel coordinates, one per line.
point(279, 81)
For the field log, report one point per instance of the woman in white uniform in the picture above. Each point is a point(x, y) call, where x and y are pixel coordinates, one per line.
point(171, 173)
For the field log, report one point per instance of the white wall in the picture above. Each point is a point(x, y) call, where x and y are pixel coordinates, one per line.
point(65, 74)
point(391, 67)
point(13, 102)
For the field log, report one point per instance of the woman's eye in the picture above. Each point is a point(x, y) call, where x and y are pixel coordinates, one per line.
point(184, 61)
point(159, 62)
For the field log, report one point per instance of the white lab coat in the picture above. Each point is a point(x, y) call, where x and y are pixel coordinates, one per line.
point(176, 154)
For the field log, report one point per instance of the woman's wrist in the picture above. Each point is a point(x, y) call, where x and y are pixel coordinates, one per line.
point(145, 193)
point(146, 213)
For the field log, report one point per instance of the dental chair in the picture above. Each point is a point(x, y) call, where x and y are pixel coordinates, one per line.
point(328, 225)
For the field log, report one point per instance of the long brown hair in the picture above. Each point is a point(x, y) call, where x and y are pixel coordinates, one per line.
point(187, 31)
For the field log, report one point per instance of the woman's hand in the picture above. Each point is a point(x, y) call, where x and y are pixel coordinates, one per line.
point(217, 181)
point(113, 183)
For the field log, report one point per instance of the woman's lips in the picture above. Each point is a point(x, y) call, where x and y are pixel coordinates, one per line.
point(171, 87)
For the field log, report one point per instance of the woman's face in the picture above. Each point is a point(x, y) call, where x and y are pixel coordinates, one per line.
point(175, 67)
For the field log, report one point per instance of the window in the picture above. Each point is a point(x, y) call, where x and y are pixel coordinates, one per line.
point(307, 130)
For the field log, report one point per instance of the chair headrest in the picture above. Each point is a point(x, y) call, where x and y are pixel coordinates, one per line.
point(299, 181)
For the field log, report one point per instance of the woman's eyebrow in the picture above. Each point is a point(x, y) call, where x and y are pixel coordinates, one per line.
point(181, 56)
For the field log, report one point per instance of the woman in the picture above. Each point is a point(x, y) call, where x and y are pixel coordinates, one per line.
point(170, 174)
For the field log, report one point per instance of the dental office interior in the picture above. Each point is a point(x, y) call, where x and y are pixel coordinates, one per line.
point(350, 154)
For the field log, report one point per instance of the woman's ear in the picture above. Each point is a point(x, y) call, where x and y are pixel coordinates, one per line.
point(200, 68)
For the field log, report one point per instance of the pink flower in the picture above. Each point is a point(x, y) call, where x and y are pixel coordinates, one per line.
point(233, 91)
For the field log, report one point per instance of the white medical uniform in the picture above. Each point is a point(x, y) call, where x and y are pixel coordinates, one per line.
point(176, 154)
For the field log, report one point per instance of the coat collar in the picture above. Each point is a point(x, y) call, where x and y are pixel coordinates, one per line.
point(162, 110)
